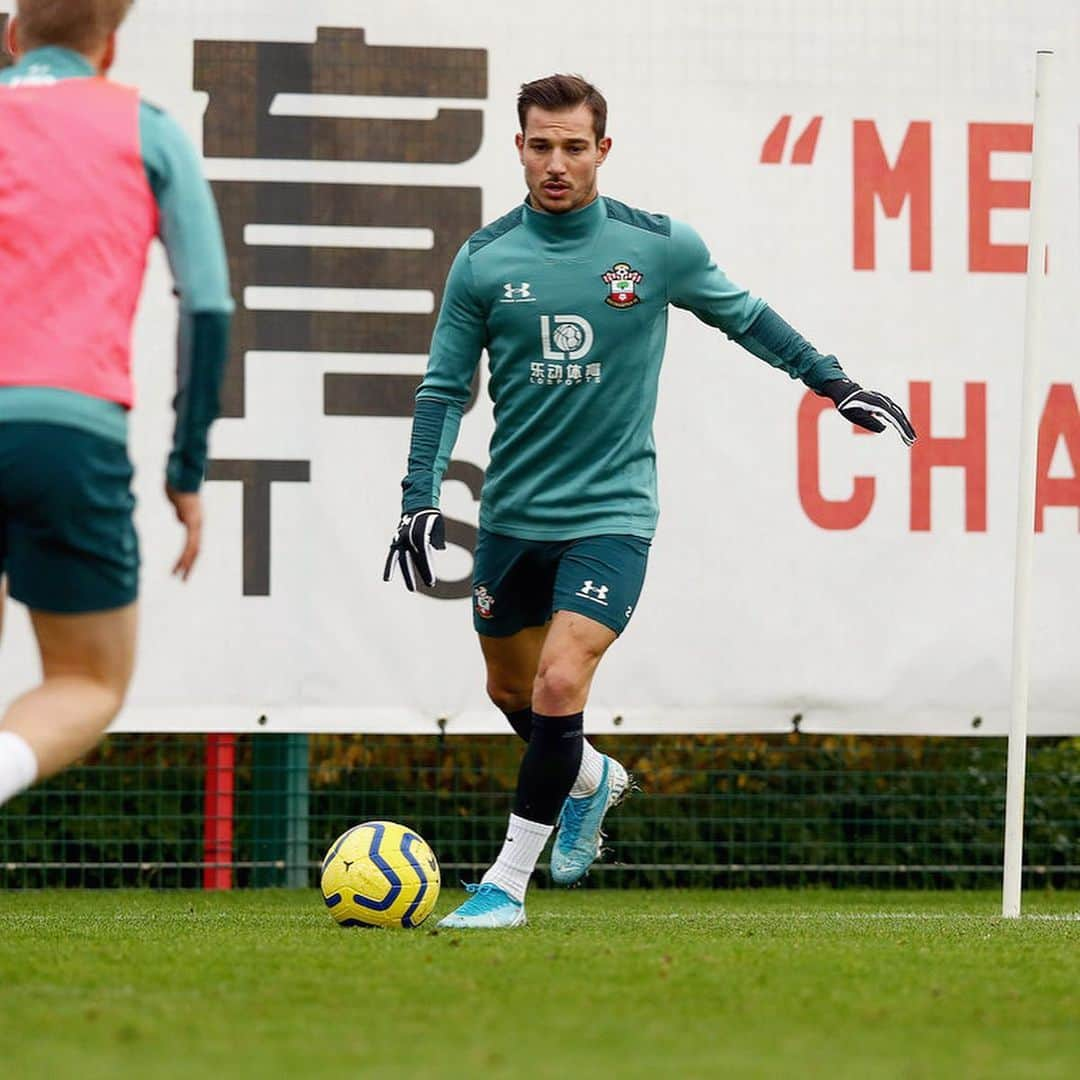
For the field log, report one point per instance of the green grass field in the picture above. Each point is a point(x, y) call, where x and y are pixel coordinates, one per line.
point(628, 984)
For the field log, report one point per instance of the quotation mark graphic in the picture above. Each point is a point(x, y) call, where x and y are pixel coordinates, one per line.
point(802, 153)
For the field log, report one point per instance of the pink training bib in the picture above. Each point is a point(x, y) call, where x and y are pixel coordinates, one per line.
point(76, 218)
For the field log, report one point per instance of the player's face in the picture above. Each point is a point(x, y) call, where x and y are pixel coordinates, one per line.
point(561, 155)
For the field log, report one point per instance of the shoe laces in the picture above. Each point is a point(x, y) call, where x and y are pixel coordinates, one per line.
point(572, 814)
point(485, 897)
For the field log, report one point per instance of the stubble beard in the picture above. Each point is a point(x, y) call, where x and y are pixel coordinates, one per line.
point(576, 200)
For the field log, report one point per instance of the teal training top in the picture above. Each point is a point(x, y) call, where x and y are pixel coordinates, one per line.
point(191, 233)
point(572, 310)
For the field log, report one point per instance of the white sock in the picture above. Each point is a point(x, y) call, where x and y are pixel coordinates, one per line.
point(517, 860)
point(18, 765)
point(592, 769)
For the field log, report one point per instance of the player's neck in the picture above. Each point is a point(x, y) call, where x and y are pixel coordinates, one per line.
point(64, 57)
point(568, 228)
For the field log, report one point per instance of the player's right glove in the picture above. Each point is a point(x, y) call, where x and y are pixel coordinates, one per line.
point(410, 549)
point(868, 409)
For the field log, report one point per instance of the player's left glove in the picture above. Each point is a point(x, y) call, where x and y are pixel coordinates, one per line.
point(418, 532)
point(868, 408)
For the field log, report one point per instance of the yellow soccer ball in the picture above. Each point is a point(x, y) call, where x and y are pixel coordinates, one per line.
point(380, 874)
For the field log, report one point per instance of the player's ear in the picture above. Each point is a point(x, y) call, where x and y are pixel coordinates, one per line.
point(519, 142)
point(109, 55)
point(603, 146)
point(11, 37)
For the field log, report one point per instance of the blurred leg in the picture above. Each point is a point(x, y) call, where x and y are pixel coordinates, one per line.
point(86, 661)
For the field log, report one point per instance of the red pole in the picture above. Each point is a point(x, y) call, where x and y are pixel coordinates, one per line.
point(218, 819)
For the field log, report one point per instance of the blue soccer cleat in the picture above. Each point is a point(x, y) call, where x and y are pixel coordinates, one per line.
point(579, 839)
point(489, 908)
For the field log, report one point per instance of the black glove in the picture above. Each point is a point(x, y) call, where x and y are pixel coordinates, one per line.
point(418, 532)
point(868, 408)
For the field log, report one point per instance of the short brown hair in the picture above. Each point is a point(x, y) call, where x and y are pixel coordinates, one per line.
point(82, 25)
point(563, 92)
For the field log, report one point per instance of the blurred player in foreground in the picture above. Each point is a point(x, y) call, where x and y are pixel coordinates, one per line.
point(90, 175)
point(569, 294)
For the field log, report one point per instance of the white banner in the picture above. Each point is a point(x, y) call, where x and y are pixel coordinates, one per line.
point(862, 167)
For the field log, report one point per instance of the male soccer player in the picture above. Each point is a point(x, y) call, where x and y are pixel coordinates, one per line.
point(569, 295)
point(90, 174)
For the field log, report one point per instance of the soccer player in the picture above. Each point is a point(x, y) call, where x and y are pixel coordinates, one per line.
point(90, 175)
point(569, 294)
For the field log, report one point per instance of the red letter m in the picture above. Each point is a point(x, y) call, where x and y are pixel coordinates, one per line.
point(908, 179)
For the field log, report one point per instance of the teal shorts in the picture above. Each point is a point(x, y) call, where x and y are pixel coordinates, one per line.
point(521, 583)
point(67, 538)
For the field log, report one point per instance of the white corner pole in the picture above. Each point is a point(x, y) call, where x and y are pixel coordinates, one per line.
point(1025, 513)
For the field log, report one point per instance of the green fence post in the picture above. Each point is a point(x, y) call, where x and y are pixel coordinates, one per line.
point(279, 805)
point(297, 809)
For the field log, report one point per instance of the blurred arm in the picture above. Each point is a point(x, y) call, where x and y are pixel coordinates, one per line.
point(191, 233)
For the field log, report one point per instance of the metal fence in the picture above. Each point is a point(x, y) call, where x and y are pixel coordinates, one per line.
point(721, 810)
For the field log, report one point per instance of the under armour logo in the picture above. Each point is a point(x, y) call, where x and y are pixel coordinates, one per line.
point(517, 294)
point(589, 588)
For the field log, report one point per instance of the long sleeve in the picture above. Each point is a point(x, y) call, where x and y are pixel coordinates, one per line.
point(459, 339)
point(771, 339)
point(697, 284)
point(191, 233)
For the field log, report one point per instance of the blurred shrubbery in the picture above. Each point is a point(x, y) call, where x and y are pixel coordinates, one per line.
point(739, 809)
point(733, 809)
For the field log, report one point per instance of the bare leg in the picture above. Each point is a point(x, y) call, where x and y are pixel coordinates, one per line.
point(568, 662)
point(86, 661)
point(556, 755)
point(562, 660)
point(511, 666)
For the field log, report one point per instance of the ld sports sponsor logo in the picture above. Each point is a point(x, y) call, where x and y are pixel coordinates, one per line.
point(565, 340)
point(565, 337)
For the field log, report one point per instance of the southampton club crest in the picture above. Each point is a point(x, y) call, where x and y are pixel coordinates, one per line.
point(484, 600)
point(622, 279)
